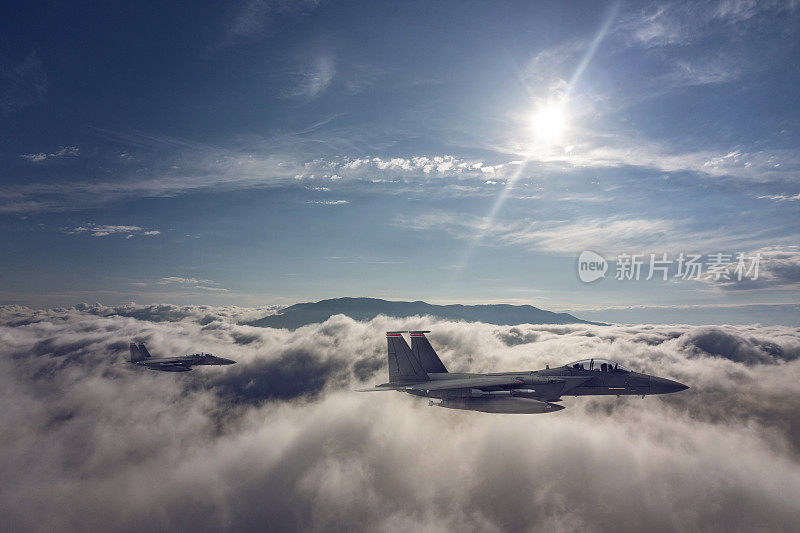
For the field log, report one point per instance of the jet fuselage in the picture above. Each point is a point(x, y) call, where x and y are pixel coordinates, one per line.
point(420, 372)
point(141, 357)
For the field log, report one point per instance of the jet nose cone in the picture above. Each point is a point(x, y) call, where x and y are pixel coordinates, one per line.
point(228, 362)
point(665, 386)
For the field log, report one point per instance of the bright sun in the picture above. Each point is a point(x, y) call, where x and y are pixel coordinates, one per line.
point(549, 123)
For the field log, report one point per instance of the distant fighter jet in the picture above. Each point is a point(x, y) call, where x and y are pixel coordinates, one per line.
point(419, 371)
point(141, 357)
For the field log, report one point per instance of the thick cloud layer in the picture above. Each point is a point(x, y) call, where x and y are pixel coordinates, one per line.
point(279, 441)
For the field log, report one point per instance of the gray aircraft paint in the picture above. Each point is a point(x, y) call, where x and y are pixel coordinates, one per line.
point(140, 356)
point(421, 347)
point(419, 371)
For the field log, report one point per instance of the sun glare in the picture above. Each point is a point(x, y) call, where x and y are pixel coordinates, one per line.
point(549, 123)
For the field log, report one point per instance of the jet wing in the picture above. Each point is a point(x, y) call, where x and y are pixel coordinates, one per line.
point(443, 384)
point(167, 364)
point(465, 383)
point(478, 382)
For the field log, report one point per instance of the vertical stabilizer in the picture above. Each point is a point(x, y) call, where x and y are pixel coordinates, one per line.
point(425, 353)
point(403, 365)
point(136, 355)
point(143, 350)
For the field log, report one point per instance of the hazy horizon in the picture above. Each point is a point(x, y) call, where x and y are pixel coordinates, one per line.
point(745, 314)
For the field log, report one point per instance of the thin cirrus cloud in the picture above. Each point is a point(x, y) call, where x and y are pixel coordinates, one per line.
point(608, 235)
point(191, 283)
point(244, 170)
point(686, 73)
point(253, 19)
point(619, 150)
point(311, 81)
point(679, 24)
point(204, 169)
point(104, 230)
point(777, 267)
point(64, 151)
point(672, 31)
point(328, 202)
point(24, 82)
point(183, 281)
point(781, 197)
point(665, 30)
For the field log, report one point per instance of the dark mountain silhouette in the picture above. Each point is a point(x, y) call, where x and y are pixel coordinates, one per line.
point(302, 314)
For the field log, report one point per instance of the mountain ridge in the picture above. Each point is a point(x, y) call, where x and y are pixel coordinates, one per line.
point(364, 308)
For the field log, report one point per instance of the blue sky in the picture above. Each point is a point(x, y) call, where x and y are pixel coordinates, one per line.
point(272, 151)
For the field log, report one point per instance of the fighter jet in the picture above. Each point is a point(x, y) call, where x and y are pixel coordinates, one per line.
point(419, 371)
point(141, 357)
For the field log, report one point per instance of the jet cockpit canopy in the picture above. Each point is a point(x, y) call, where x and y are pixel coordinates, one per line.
point(598, 365)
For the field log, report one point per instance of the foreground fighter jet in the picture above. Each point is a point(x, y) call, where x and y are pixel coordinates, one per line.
point(419, 371)
point(141, 357)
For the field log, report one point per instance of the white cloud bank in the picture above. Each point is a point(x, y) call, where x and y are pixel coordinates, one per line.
point(280, 439)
